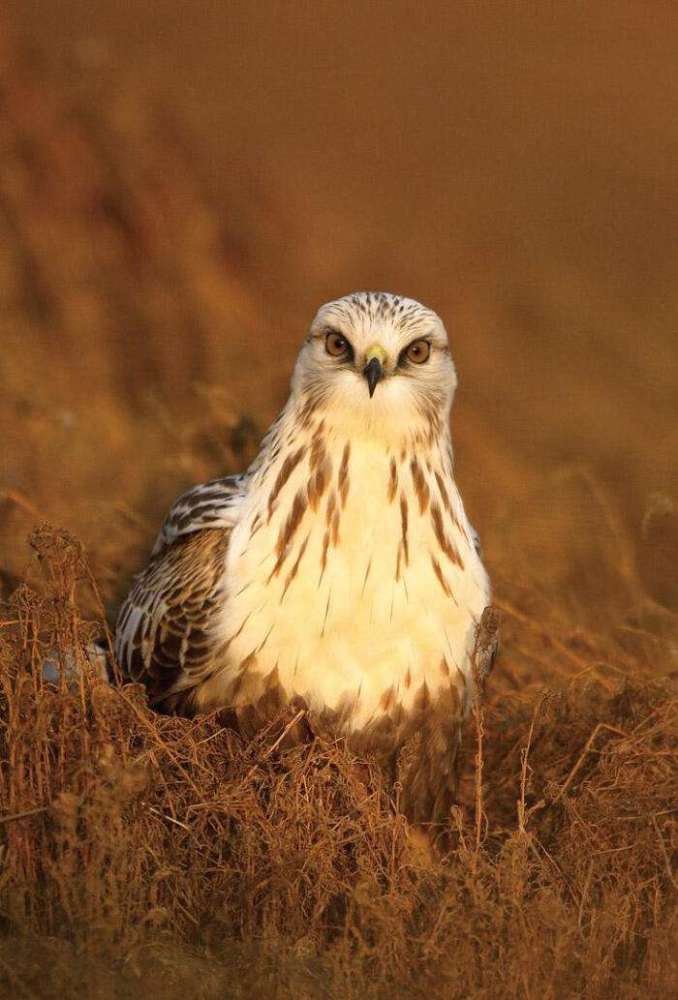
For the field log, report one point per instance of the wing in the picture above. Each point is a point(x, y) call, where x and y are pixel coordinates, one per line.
point(210, 505)
point(163, 635)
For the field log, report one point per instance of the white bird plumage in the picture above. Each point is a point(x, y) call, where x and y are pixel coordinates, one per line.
point(340, 572)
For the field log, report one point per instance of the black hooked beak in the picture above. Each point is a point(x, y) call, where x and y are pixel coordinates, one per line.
point(374, 373)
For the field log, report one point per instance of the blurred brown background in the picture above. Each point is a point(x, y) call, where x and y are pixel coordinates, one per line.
point(183, 184)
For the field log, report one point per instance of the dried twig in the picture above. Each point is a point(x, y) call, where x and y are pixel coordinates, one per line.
point(24, 814)
point(582, 756)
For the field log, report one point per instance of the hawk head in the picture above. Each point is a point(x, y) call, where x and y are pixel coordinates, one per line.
point(377, 360)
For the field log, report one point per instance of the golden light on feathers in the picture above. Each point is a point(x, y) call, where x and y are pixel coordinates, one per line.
point(340, 572)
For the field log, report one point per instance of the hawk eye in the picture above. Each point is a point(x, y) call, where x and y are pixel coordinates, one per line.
point(418, 352)
point(336, 344)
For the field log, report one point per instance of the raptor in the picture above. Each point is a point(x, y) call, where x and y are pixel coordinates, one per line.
point(339, 575)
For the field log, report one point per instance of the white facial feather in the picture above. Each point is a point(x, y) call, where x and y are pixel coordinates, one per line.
point(408, 393)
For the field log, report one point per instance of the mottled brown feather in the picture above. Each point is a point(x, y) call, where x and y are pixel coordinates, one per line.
point(176, 597)
point(445, 544)
point(286, 470)
point(393, 481)
point(440, 576)
point(420, 485)
point(343, 482)
point(288, 530)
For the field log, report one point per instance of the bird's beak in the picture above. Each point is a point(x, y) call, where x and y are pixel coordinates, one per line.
point(374, 368)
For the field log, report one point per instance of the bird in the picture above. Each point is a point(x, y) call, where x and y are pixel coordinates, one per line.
point(338, 578)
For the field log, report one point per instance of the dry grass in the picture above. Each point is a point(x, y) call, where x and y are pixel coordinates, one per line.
point(137, 847)
point(131, 838)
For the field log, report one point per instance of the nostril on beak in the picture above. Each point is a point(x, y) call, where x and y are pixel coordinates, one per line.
point(373, 372)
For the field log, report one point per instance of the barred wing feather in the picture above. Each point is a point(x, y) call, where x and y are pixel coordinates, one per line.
point(163, 636)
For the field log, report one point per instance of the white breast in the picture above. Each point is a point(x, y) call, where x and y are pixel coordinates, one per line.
point(353, 605)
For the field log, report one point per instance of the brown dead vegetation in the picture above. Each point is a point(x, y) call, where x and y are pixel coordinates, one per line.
point(148, 853)
point(143, 843)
